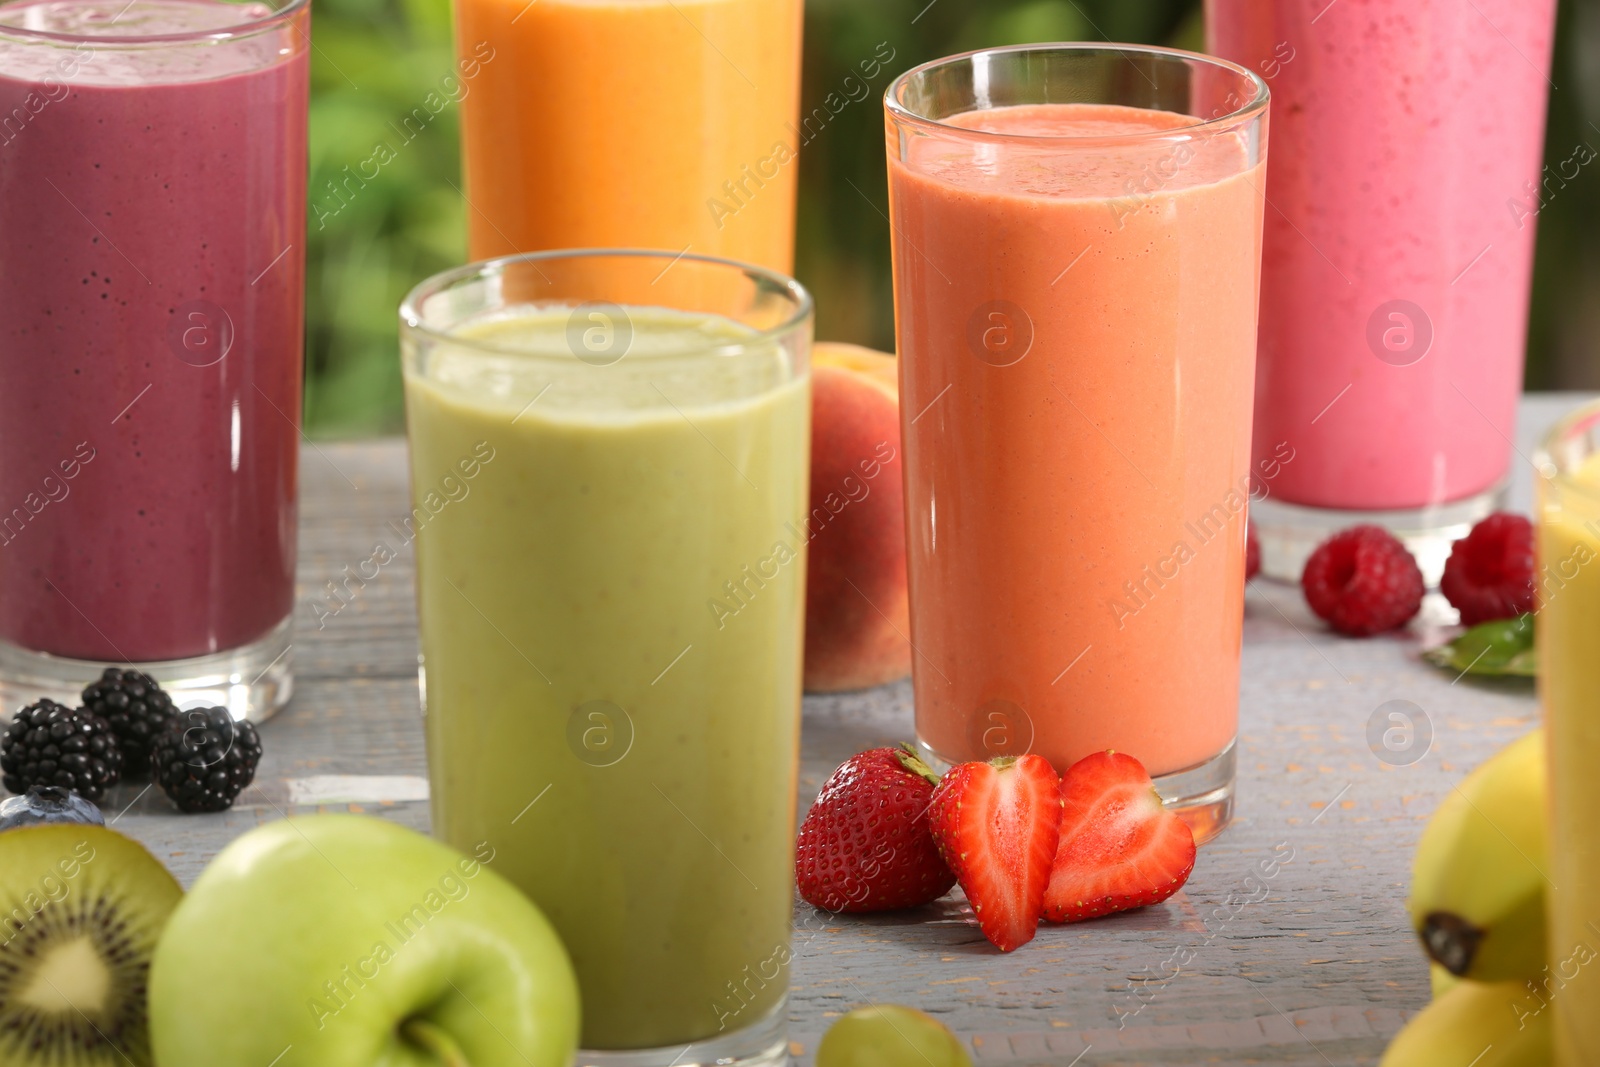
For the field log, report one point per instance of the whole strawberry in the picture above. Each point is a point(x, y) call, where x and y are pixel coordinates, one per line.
point(997, 825)
point(1489, 574)
point(865, 843)
point(1363, 581)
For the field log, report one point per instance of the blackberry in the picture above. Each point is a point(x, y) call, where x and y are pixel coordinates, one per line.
point(51, 744)
point(204, 759)
point(137, 709)
point(48, 804)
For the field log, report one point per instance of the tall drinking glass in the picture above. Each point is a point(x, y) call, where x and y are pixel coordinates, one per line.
point(609, 469)
point(1077, 235)
point(671, 124)
point(153, 156)
point(1405, 188)
point(1569, 684)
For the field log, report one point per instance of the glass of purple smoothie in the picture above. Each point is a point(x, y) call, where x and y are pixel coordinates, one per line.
point(152, 220)
point(1405, 185)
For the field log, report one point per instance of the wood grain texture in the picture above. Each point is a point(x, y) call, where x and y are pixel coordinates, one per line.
point(1289, 945)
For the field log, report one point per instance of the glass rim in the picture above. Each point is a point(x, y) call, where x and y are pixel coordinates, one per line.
point(217, 35)
point(411, 319)
point(1546, 459)
point(1250, 109)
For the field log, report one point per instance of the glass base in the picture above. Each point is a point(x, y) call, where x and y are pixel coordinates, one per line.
point(1202, 796)
point(1289, 533)
point(252, 681)
point(762, 1044)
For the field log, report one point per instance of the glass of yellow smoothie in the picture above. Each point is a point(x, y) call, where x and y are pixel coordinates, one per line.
point(607, 450)
point(1568, 627)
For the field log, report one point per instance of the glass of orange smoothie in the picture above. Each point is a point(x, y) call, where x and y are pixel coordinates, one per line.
point(1568, 626)
point(665, 124)
point(1077, 247)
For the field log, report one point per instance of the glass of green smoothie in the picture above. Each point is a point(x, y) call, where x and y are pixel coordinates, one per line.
point(609, 472)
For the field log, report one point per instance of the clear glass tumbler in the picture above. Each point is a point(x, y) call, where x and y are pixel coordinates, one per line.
point(1405, 188)
point(1077, 238)
point(1568, 626)
point(609, 470)
point(152, 287)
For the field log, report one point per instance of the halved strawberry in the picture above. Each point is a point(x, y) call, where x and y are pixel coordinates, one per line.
point(996, 824)
point(1119, 848)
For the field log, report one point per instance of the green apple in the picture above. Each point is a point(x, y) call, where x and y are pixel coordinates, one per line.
point(348, 941)
point(888, 1035)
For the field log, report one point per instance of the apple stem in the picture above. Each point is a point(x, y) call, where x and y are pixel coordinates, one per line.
point(425, 1034)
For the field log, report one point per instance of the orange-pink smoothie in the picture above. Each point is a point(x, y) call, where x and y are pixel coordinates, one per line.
point(1077, 330)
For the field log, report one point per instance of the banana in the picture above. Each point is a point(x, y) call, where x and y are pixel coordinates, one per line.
point(1478, 884)
point(1441, 980)
point(1500, 1024)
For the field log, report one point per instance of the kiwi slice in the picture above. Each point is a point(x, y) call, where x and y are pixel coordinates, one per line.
point(81, 908)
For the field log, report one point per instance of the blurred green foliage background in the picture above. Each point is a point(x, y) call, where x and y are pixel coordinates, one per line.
point(376, 60)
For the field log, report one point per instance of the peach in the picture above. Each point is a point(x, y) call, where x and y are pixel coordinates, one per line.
point(857, 622)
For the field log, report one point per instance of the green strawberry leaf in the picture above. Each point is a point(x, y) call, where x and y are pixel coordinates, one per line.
point(911, 760)
point(1499, 648)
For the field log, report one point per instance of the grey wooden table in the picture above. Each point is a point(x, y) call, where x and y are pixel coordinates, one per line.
point(1288, 946)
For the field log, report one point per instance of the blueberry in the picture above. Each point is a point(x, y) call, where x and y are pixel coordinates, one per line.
point(48, 804)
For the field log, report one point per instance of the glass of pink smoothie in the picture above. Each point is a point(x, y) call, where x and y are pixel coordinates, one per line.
point(1407, 139)
point(1077, 237)
point(152, 202)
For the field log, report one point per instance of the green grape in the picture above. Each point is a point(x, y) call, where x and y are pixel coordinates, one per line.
point(888, 1035)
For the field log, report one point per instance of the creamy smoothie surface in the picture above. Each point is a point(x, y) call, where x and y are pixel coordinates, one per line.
point(103, 22)
point(611, 578)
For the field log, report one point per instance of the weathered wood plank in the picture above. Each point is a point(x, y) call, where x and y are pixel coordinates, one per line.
point(1311, 963)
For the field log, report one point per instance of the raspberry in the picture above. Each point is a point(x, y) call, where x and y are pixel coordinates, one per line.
point(1363, 581)
point(1489, 574)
